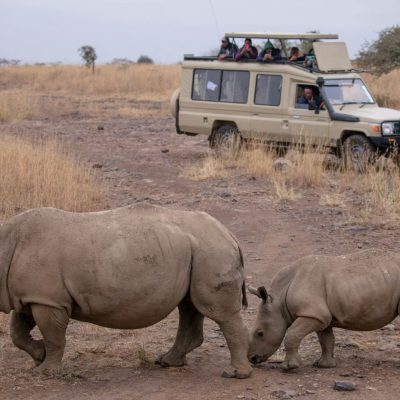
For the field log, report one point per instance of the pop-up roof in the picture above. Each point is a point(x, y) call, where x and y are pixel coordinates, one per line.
point(282, 36)
point(332, 56)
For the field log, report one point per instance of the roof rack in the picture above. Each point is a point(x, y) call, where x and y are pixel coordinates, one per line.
point(282, 36)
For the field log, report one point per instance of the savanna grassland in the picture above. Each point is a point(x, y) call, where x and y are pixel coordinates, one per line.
point(82, 142)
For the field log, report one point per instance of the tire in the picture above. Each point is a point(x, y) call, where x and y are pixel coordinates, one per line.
point(226, 140)
point(358, 153)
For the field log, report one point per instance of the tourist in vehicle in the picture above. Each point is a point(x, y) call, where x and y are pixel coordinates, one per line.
point(269, 53)
point(310, 60)
point(296, 54)
point(227, 49)
point(311, 99)
point(247, 52)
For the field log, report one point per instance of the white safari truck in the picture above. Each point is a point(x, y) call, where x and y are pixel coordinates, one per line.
point(232, 101)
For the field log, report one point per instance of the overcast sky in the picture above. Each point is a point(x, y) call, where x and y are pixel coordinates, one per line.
point(53, 30)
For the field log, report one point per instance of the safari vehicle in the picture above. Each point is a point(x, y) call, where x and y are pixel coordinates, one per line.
point(233, 101)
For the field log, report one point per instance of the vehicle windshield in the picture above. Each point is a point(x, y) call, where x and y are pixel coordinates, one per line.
point(347, 91)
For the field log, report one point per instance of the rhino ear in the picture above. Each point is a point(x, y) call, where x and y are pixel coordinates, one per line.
point(262, 293)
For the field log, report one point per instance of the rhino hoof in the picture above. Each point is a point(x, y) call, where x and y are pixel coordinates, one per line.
point(331, 363)
point(291, 364)
point(238, 374)
point(47, 370)
point(165, 362)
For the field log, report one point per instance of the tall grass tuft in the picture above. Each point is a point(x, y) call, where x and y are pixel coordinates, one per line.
point(39, 172)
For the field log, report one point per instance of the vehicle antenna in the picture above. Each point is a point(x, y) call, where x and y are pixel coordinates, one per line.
point(215, 18)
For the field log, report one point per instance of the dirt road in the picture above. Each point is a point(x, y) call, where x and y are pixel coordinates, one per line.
point(143, 160)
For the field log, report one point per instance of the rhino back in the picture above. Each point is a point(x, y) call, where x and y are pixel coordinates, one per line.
point(120, 268)
point(363, 289)
point(359, 291)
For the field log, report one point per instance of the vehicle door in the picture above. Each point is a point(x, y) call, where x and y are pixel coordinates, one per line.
point(307, 126)
point(266, 109)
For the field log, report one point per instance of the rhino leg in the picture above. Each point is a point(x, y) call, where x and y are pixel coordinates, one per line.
point(189, 336)
point(327, 342)
point(300, 328)
point(21, 326)
point(237, 338)
point(52, 323)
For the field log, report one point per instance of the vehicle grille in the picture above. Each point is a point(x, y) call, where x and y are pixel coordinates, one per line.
point(397, 128)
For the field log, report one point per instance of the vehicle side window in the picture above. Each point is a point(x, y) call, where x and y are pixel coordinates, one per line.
point(206, 84)
point(301, 100)
point(235, 86)
point(217, 85)
point(268, 90)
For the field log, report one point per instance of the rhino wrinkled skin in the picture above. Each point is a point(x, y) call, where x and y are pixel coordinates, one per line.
point(126, 268)
point(359, 291)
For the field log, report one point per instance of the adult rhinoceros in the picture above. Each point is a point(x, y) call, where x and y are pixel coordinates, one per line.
point(126, 268)
point(359, 292)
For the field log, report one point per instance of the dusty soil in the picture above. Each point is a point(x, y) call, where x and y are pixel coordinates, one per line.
point(143, 159)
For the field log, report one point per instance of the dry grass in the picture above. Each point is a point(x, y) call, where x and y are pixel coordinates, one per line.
point(144, 359)
point(30, 92)
point(385, 88)
point(3, 323)
point(372, 197)
point(37, 173)
point(147, 82)
point(304, 170)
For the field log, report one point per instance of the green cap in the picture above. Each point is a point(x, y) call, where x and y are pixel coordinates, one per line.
point(268, 45)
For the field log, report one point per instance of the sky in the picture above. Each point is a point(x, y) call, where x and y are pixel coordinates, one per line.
point(165, 30)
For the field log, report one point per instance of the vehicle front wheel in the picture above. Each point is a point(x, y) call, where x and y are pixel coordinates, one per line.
point(358, 153)
point(226, 140)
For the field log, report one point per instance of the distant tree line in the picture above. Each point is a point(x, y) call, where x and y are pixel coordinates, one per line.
point(5, 62)
point(382, 55)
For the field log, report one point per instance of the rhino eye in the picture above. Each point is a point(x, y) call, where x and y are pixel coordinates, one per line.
point(260, 333)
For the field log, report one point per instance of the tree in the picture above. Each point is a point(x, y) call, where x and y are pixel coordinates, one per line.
point(382, 55)
point(89, 56)
point(145, 60)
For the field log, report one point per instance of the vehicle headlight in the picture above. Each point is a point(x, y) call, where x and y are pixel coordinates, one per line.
point(388, 128)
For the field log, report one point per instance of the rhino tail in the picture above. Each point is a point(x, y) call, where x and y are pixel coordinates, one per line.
point(245, 303)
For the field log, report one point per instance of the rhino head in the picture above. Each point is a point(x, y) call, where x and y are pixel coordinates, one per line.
point(269, 329)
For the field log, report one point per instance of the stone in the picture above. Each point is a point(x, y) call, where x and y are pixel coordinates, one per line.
point(100, 128)
point(96, 165)
point(165, 151)
point(343, 386)
point(284, 394)
point(389, 327)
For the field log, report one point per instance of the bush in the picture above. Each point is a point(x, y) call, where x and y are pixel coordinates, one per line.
point(145, 60)
point(382, 55)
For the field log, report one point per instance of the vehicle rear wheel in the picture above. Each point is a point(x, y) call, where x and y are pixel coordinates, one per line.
point(226, 140)
point(358, 153)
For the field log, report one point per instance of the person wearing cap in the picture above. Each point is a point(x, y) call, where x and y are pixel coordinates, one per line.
point(247, 52)
point(269, 53)
point(227, 49)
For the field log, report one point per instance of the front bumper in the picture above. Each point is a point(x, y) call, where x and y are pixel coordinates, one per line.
point(385, 143)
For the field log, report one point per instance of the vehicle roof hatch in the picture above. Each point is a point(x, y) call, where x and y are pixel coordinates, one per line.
point(332, 56)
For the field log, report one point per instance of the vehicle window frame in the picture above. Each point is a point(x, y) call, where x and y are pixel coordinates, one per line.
point(221, 71)
point(219, 84)
point(248, 86)
point(255, 90)
point(295, 96)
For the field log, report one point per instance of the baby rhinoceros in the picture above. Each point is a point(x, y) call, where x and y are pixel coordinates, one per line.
point(359, 292)
point(126, 268)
